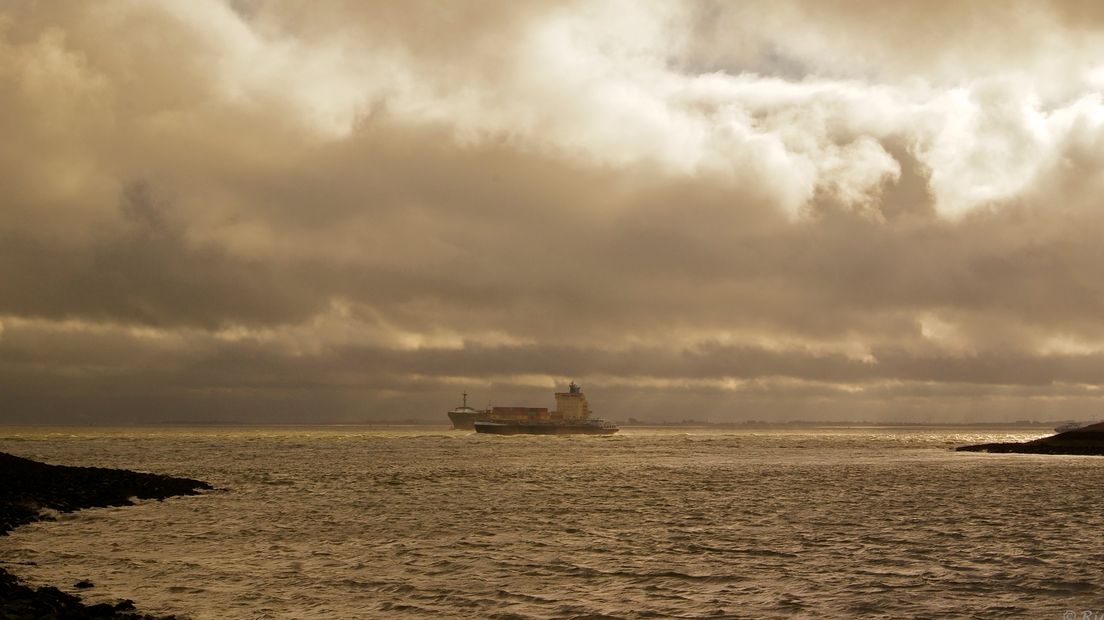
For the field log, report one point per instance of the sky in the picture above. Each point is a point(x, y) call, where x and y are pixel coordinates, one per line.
point(345, 211)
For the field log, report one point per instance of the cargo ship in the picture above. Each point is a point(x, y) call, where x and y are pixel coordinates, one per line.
point(571, 417)
point(464, 417)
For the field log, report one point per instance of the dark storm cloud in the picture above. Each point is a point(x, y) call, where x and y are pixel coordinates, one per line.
point(348, 211)
point(145, 272)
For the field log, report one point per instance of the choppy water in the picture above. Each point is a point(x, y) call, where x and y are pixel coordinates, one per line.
point(362, 523)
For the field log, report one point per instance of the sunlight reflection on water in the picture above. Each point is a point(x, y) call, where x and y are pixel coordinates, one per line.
point(408, 522)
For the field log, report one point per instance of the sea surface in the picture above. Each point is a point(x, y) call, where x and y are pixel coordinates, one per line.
point(360, 522)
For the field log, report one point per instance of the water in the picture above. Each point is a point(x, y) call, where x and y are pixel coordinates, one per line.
point(360, 523)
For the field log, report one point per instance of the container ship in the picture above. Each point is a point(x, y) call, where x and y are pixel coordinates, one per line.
point(464, 417)
point(571, 417)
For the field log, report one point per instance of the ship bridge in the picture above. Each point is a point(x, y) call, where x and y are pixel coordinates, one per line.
point(572, 404)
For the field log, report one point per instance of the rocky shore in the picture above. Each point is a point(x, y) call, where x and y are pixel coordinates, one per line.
point(27, 487)
point(1088, 440)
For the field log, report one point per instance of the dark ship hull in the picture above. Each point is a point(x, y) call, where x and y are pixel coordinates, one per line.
point(587, 427)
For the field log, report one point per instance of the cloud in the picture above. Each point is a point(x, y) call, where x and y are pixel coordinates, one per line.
point(349, 210)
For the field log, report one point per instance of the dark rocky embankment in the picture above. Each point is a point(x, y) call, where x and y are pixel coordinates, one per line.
point(1088, 440)
point(27, 487)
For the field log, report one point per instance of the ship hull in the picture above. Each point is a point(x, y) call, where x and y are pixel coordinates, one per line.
point(528, 428)
point(464, 420)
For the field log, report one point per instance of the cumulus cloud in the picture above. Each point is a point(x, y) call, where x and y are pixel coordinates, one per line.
point(349, 211)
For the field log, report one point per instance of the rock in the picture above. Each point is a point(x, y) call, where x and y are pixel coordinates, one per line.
point(1088, 440)
point(27, 487)
point(100, 610)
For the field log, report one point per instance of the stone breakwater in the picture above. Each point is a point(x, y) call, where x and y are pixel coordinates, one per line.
point(1088, 440)
point(28, 487)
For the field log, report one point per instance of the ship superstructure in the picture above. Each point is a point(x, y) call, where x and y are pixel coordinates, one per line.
point(572, 404)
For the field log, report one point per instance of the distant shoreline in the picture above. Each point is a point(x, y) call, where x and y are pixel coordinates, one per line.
point(28, 487)
point(623, 424)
